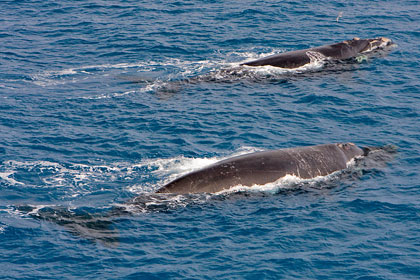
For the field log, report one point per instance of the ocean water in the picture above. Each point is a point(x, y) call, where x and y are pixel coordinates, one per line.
point(105, 101)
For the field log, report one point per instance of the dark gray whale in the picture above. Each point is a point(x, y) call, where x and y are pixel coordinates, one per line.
point(339, 51)
point(266, 167)
point(255, 168)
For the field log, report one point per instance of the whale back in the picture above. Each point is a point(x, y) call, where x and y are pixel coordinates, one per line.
point(265, 167)
point(292, 59)
point(343, 50)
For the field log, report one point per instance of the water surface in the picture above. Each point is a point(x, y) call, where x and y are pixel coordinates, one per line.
point(77, 134)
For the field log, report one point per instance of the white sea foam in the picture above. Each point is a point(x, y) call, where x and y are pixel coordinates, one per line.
point(352, 162)
point(286, 182)
point(36, 209)
point(6, 177)
point(181, 165)
point(28, 210)
point(274, 71)
point(162, 202)
point(111, 95)
point(71, 180)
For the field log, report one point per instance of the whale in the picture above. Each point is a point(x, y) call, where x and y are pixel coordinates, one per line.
point(338, 51)
point(356, 48)
point(98, 225)
point(264, 167)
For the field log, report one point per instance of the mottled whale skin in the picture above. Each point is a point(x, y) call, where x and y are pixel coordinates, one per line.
point(339, 51)
point(266, 167)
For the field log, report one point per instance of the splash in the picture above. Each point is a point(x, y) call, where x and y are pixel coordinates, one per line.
point(170, 168)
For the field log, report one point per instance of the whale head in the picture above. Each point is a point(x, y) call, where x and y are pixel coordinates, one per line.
point(376, 43)
point(350, 150)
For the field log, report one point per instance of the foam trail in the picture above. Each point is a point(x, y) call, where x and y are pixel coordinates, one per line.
point(173, 74)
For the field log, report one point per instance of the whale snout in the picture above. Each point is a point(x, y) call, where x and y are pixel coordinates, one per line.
point(379, 43)
point(382, 42)
point(386, 41)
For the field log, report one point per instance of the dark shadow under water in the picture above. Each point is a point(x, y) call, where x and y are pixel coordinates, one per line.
point(100, 225)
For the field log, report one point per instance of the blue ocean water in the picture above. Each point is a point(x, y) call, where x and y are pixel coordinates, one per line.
point(95, 110)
